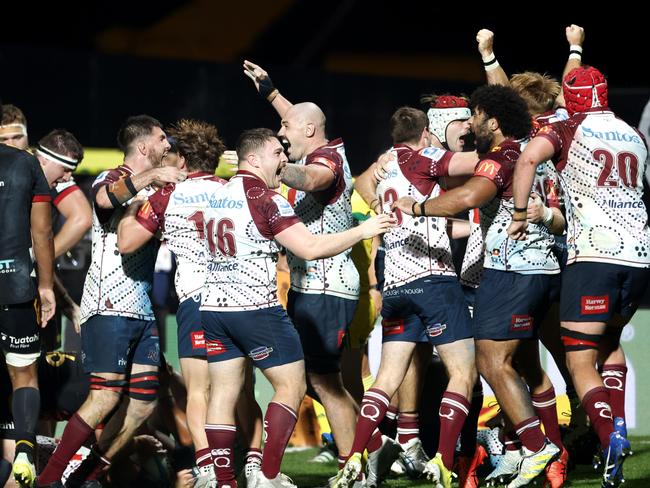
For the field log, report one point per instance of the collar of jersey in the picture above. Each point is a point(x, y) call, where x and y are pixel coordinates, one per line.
point(199, 174)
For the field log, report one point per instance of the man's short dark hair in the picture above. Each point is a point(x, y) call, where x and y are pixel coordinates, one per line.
point(10, 114)
point(252, 140)
point(505, 105)
point(199, 143)
point(63, 142)
point(133, 128)
point(407, 124)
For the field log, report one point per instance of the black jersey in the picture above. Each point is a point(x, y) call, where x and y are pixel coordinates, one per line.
point(22, 182)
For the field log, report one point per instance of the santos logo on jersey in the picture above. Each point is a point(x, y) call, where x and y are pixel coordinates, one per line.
point(611, 135)
point(225, 203)
point(181, 198)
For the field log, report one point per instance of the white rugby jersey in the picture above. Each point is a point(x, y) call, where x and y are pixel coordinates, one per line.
point(241, 222)
point(418, 246)
point(178, 211)
point(601, 160)
point(116, 284)
point(326, 212)
point(472, 268)
point(535, 254)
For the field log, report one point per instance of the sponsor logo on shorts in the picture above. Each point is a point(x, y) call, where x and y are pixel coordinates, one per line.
point(521, 323)
point(393, 327)
point(592, 305)
point(436, 329)
point(120, 362)
point(214, 348)
point(19, 342)
point(198, 340)
point(260, 353)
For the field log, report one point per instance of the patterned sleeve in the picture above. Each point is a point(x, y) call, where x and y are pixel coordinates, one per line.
point(432, 162)
point(277, 214)
point(40, 188)
point(152, 213)
point(104, 178)
point(493, 171)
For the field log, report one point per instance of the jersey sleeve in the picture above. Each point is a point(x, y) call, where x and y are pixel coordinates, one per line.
point(334, 163)
point(62, 190)
point(277, 214)
point(432, 162)
point(493, 171)
point(103, 179)
point(40, 188)
point(151, 215)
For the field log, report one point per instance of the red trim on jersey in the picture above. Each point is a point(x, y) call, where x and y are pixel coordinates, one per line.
point(65, 193)
point(41, 198)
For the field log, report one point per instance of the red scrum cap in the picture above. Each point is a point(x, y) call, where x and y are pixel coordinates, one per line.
point(584, 87)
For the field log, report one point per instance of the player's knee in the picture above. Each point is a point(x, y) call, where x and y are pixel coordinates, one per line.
point(143, 386)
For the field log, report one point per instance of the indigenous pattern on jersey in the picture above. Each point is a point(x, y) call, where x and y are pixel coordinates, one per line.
point(178, 211)
point(240, 226)
point(532, 256)
point(418, 246)
point(472, 268)
point(601, 160)
point(116, 284)
point(22, 183)
point(547, 185)
point(326, 212)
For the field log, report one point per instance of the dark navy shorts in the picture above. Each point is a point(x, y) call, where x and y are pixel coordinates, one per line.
point(19, 328)
point(111, 344)
point(322, 321)
point(594, 292)
point(191, 342)
point(431, 308)
point(267, 336)
point(510, 305)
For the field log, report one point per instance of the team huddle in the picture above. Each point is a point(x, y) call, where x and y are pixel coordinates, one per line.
point(541, 177)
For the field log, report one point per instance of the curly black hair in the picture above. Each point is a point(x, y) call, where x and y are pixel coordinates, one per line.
point(505, 105)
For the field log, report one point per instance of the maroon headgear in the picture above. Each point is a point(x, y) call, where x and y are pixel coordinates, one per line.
point(584, 87)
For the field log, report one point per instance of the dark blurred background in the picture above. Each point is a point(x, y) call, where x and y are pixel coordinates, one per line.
point(86, 68)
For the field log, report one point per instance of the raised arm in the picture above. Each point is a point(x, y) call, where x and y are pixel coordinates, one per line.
point(43, 246)
point(265, 87)
point(493, 71)
point(78, 218)
point(575, 36)
point(308, 246)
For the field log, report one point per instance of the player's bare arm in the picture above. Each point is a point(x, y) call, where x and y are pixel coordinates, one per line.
point(43, 246)
point(306, 245)
point(474, 194)
point(116, 194)
point(307, 178)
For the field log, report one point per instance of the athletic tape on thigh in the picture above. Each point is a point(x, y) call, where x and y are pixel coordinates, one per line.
point(578, 341)
point(99, 383)
point(144, 386)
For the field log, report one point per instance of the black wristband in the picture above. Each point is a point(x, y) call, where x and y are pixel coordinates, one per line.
point(519, 209)
point(266, 86)
point(373, 287)
point(129, 186)
point(413, 209)
point(422, 208)
point(491, 62)
point(575, 51)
